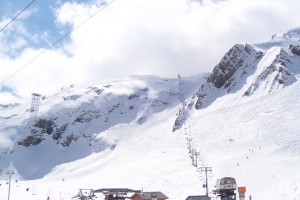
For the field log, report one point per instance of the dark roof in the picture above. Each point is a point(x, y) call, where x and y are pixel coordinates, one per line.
point(115, 190)
point(149, 195)
point(198, 198)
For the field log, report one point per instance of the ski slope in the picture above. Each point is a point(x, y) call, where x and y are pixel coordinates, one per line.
point(124, 138)
point(254, 140)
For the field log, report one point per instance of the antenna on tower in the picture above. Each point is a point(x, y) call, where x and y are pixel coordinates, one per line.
point(35, 102)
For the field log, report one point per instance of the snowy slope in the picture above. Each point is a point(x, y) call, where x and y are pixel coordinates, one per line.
point(255, 140)
point(242, 118)
point(70, 121)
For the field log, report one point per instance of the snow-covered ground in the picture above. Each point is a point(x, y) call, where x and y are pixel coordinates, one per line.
point(127, 139)
point(257, 141)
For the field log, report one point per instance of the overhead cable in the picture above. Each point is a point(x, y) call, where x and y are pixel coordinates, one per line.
point(17, 15)
point(56, 42)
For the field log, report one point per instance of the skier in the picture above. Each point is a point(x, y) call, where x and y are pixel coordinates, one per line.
point(250, 197)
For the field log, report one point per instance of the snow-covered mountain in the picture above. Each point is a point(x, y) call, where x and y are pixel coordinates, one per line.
point(70, 121)
point(136, 132)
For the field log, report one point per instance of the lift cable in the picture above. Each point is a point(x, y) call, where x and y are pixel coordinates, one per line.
point(17, 15)
point(56, 42)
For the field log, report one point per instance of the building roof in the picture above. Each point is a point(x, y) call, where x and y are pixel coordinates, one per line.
point(198, 198)
point(149, 195)
point(115, 190)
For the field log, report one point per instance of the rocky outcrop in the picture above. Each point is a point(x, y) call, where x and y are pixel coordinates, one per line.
point(202, 95)
point(232, 69)
point(295, 49)
point(234, 59)
point(40, 129)
point(180, 119)
point(31, 140)
point(276, 75)
point(244, 67)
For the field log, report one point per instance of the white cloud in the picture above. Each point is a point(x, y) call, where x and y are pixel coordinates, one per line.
point(7, 97)
point(159, 37)
point(6, 142)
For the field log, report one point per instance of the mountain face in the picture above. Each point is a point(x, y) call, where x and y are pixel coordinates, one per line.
point(74, 117)
point(135, 121)
point(248, 70)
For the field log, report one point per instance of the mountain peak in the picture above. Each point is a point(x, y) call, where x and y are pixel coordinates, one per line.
point(275, 71)
point(231, 62)
point(292, 34)
point(283, 40)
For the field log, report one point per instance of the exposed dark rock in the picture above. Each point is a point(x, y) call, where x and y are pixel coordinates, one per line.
point(199, 103)
point(224, 76)
point(107, 86)
point(132, 96)
point(45, 125)
point(180, 119)
point(295, 49)
point(97, 90)
point(279, 67)
point(112, 146)
point(59, 131)
point(39, 129)
point(72, 97)
point(111, 109)
point(31, 140)
point(69, 139)
point(230, 63)
point(142, 120)
point(173, 93)
point(88, 116)
point(247, 93)
point(145, 89)
point(106, 119)
point(202, 95)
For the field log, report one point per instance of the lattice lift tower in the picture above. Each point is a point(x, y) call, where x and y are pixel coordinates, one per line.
point(35, 103)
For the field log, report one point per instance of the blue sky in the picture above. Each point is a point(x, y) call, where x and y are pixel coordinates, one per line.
point(129, 37)
point(39, 18)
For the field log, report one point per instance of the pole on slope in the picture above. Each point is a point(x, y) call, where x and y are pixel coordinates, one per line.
point(196, 153)
point(206, 169)
point(189, 143)
point(10, 173)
